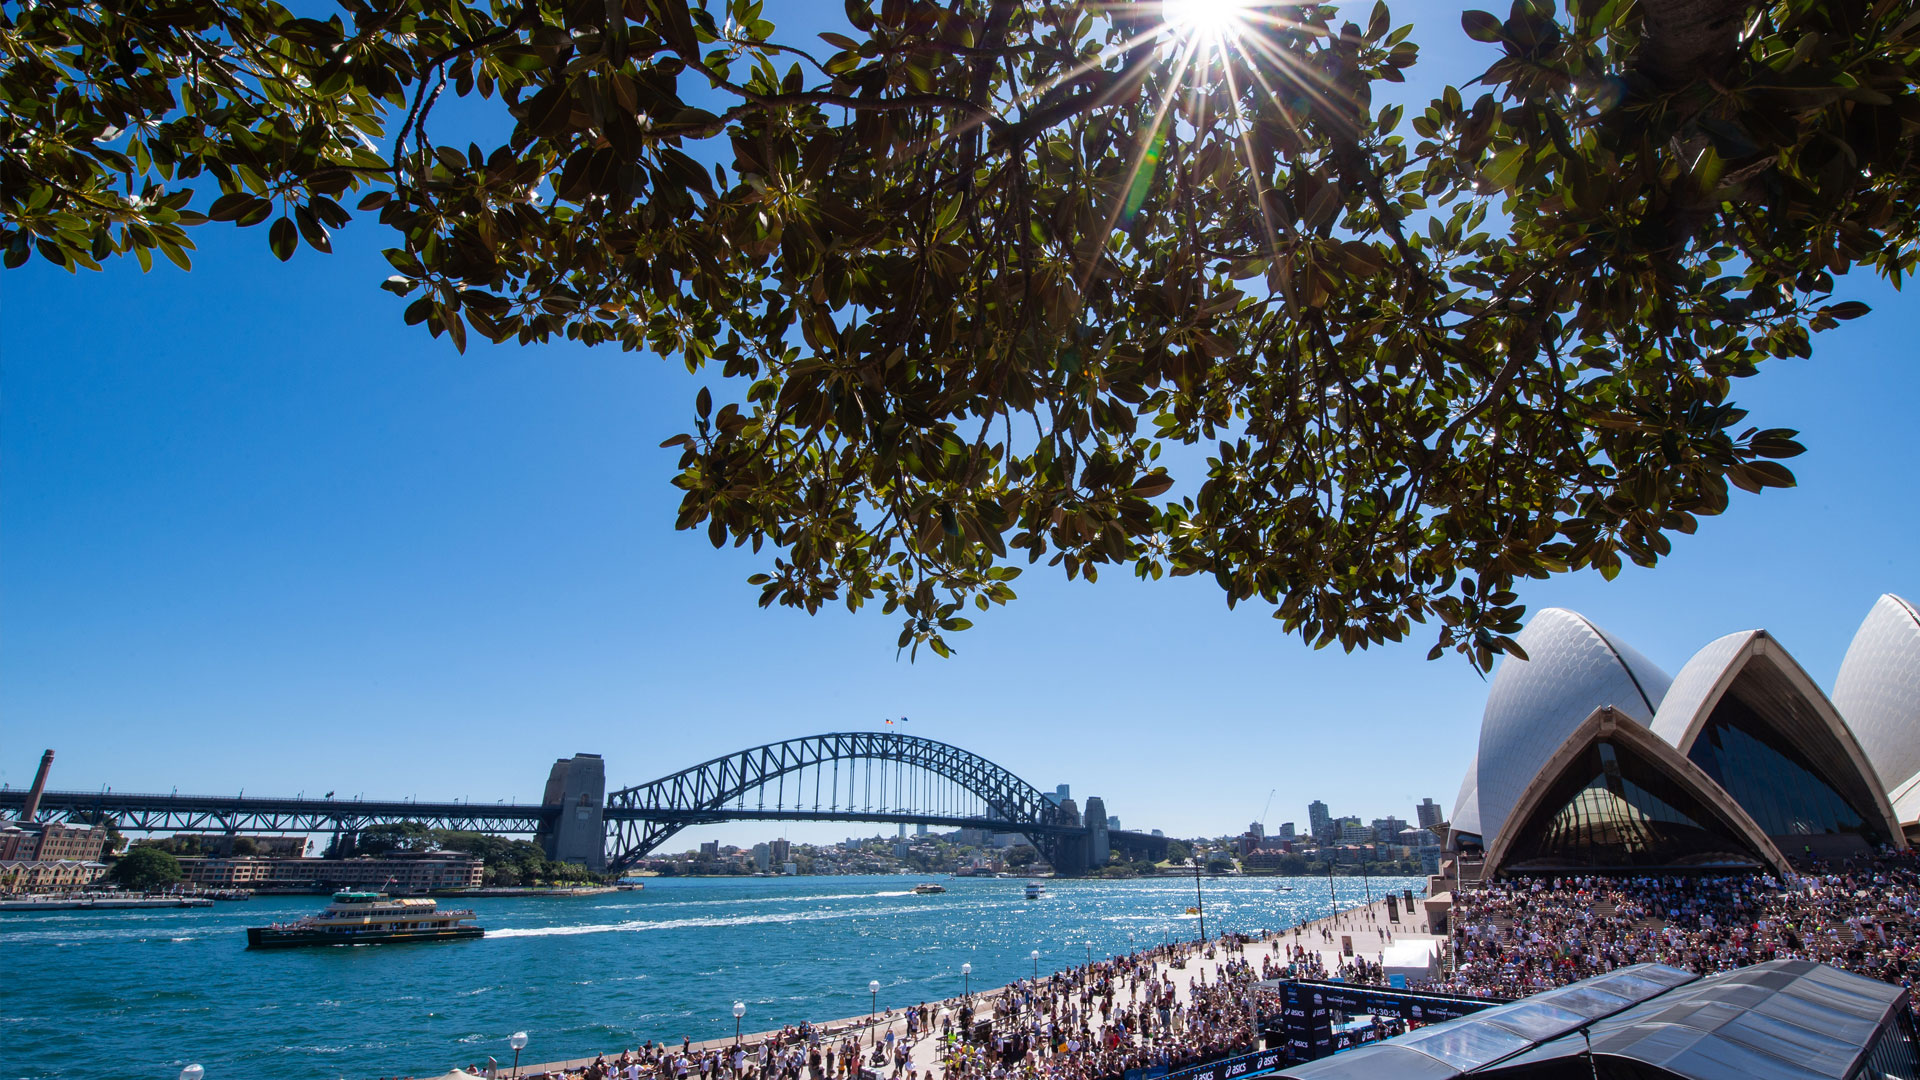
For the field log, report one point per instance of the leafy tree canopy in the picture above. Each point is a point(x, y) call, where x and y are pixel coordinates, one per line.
point(145, 867)
point(970, 266)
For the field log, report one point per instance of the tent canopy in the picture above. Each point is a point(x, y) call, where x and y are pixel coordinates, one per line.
point(1781, 1020)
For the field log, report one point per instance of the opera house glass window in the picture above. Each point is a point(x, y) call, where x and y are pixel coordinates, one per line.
point(1768, 777)
point(1611, 808)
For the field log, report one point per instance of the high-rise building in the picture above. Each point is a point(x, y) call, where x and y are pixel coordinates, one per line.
point(710, 850)
point(1286, 831)
point(1257, 830)
point(1113, 821)
point(780, 851)
point(1319, 821)
point(1427, 813)
point(762, 857)
point(921, 829)
point(1387, 830)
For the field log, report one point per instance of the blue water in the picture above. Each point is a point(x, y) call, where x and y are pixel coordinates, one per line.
point(141, 993)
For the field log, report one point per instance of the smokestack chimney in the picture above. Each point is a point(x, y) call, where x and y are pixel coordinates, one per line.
point(39, 785)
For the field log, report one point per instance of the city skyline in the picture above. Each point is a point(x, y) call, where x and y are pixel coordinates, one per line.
point(259, 534)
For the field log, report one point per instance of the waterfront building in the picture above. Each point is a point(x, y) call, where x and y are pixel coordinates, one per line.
point(37, 875)
point(710, 851)
point(1349, 830)
point(398, 873)
point(1592, 757)
point(51, 841)
point(780, 851)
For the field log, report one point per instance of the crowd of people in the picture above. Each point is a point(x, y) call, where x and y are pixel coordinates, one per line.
point(1102, 1020)
point(1517, 937)
point(1088, 1023)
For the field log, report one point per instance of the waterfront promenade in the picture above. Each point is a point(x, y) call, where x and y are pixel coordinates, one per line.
point(1184, 968)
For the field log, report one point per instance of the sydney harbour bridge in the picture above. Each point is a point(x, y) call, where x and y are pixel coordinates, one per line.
point(880, 777)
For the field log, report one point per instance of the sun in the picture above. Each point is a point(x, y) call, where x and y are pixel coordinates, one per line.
point(1208, 19)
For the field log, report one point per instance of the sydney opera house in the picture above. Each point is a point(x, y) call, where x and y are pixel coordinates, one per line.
point(1592, 758)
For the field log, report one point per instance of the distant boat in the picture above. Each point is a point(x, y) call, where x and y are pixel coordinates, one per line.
point(928, 888)
point(1283, 888)
point(1035, 889)
point(1193, 911)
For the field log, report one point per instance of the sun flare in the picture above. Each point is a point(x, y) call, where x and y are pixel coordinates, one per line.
point(1212, 19)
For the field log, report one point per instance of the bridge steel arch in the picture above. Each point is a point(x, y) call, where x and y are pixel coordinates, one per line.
point(641, 818)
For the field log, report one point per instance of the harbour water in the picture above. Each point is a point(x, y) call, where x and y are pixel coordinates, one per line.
point(141, 993)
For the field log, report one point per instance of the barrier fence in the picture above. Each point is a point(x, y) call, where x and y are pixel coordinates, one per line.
point(1235, 1067)
point(1306, 1030)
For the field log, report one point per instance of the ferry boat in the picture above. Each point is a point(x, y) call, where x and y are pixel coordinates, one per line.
point(928, 889)
point(367, 918)
point(1034, 889)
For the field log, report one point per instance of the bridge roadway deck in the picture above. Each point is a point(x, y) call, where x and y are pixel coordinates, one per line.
point(141, 812)
point(147, 812)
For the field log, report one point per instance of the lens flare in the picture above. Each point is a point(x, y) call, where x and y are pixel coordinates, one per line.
point(1211, 19)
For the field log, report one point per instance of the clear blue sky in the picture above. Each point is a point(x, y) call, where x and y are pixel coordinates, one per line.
point(256, 533)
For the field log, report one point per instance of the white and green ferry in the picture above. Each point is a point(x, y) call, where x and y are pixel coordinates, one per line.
point(368, 918)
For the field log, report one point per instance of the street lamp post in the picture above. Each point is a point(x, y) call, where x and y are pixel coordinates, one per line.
point(518, 1040)
point(873, 1003)
point(192, 1072)
point(739, 1010)
point(966, 981)
point(1199, 905)
point(1036, 965)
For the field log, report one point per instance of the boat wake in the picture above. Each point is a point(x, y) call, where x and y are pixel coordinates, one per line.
point(638, 925)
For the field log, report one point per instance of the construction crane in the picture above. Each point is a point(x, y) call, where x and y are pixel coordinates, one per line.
point(1262, 819)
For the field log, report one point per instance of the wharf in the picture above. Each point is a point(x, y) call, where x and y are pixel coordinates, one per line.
point(101, 903)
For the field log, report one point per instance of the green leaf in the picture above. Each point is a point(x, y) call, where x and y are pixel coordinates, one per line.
point(1503, 171)
point(283, 238)
point(1481, 25)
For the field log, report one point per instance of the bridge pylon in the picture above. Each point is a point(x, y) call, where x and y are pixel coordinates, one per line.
point(576, 833)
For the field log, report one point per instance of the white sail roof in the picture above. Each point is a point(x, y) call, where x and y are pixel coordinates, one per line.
point(1878, 693)
point(1572, 668)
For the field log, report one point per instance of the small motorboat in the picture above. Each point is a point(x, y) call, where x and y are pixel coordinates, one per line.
point(928, 888)
point(1035, 889)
